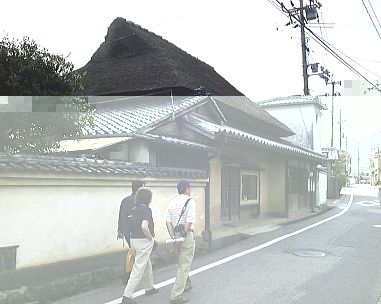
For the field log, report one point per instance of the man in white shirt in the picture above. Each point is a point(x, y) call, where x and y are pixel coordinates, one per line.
point(180, 203)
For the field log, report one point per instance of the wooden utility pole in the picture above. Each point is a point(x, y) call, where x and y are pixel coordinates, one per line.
point(333, 83)
point(306, 90)
point(340, 129)
point(358, 162)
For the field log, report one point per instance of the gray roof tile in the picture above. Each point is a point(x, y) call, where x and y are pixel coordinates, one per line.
point(291, 100)
point(83, 165)
point(139, 114)
point(227, 131)
point(173, 141)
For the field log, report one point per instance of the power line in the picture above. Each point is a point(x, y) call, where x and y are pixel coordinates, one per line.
point(351, 58)
point(318, 39)
point(338, 57)
point(369, 60)
point(371, 6)
point(371, 19)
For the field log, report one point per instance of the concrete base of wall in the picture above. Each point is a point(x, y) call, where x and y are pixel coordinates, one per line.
point(54, 281)
point(48, 273)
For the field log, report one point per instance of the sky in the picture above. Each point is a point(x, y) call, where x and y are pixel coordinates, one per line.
point(245, 41)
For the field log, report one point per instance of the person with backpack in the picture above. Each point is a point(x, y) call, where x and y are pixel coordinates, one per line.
point(142, 242)
point(180, 220)
point(125, 209)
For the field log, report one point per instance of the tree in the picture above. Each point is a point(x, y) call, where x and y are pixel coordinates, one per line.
point(29, 70)
point(341, 167)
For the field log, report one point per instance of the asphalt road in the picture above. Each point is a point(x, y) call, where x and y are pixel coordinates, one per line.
point(343, 264)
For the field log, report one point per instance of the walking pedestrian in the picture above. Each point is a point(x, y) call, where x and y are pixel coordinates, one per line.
point(123, 230)
point(180, 220)
point(379, 192)
point(142, 242)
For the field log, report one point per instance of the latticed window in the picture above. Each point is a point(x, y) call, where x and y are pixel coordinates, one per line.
point(181, 158)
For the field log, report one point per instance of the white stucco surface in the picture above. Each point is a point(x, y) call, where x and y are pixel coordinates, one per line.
point(304, 120)
point(54, 220)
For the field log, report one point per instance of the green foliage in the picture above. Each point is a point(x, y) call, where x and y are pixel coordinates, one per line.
point(27, 69)
point(53, 119)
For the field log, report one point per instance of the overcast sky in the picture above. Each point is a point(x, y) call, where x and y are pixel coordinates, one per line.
point(245, 41)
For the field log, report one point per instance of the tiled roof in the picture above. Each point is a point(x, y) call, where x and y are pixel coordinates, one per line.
point(174, 141)
point(70, 145)
point(139, 114)
point(233, 133)
point(83, 165)
point(291, 100)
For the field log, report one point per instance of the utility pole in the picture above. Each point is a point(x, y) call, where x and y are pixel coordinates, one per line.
point(340, 129)
point(306, 90)
point(358, 162)
point(333, 83)
point(346, 143)
point(303, 14)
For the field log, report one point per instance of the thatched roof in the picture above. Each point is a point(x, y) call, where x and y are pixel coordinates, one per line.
point(134, 61)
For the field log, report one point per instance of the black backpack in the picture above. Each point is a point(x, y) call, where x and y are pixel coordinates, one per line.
point(125, 223)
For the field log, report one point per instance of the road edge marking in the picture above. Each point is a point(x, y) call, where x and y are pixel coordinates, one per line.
point(243, 253)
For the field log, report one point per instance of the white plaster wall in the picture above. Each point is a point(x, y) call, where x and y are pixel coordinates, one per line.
point(139, 152)
point(215, 191)
point(54, 219)
point(302, 120)
point(273, 187)
point(322, 193)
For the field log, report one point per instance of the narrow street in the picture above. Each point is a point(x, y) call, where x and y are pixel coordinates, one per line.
point(330, 258)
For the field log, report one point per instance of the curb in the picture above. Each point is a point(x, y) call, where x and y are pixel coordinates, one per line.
point(55, 290)
point(74, 284)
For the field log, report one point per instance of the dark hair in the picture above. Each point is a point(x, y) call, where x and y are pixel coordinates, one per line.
point(143, 196)
point(182, 185)
point(136, 184)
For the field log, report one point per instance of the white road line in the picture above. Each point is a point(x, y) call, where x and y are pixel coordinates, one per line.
point(243, 253)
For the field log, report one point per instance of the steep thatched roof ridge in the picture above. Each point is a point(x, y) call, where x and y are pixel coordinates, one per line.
point(134, 61)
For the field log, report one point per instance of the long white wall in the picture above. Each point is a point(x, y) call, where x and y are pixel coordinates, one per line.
point(55, 218)
point(321, 192)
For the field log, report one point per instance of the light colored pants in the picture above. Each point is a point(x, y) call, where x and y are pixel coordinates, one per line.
point(142, 267)
point(186, 254)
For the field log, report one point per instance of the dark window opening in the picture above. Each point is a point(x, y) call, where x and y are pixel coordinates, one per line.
point(297, 180)
point(249, 187)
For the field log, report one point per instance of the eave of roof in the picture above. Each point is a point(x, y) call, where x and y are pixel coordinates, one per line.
point(53, 164)
point(229, 132)
point(93, 144)
point(173, 141)
point(292, 100)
